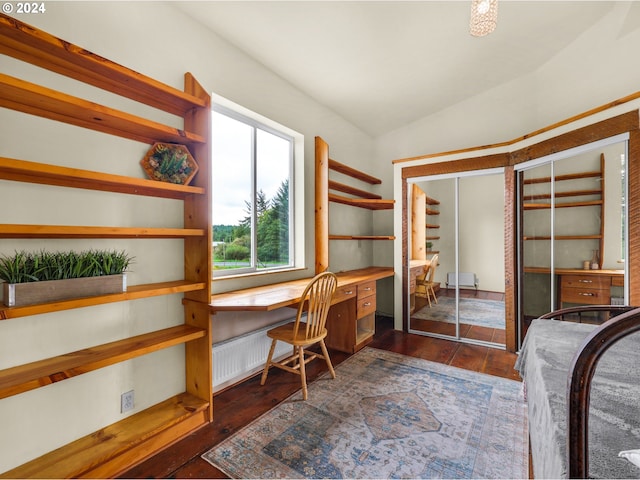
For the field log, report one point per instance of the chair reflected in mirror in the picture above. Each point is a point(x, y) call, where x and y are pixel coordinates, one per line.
point(425, 282)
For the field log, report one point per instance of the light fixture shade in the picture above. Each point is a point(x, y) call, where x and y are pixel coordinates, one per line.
point(484, 17)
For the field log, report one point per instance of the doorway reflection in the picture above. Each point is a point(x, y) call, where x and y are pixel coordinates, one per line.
point(464, 229)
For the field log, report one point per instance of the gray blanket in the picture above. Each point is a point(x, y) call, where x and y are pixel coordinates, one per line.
point(614, 419)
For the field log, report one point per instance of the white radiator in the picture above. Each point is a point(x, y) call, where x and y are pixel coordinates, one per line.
point(467, 279)
point(240, 357)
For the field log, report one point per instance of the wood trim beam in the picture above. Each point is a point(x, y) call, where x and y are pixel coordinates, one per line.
point(604, 129)
point(454, 166)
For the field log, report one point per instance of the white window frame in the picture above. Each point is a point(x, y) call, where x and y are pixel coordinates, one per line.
point(296, 190)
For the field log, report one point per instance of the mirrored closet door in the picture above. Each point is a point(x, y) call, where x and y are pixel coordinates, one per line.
point(456, 281)
point(571, 226)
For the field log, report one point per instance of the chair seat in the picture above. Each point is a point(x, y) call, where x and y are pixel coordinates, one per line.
point(285, 334)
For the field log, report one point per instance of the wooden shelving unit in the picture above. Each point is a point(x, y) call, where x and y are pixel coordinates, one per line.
point(430, 211)
point(116, 447)
point(324, 195)
point(350, 324)
point(530, 202)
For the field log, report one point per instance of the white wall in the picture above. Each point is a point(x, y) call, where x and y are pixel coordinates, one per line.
point(159, 41)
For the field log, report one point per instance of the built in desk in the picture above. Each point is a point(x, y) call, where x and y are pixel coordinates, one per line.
point(583, 287)
point(351, 320)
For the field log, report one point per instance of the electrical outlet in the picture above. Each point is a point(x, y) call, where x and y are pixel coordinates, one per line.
point(126, 402)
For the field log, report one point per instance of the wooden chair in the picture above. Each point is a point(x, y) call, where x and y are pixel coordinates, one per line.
point(425, 283)
point(306, 330)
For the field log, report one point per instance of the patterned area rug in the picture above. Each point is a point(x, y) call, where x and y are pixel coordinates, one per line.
point(387, 416)
point(473, 311)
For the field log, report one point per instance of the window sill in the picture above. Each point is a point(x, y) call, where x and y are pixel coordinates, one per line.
point(258, 274)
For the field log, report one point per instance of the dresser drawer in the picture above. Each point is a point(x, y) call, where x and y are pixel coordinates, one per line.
point(344, 293)
point(366, 289)
point(590, 296)
point(617, 281)
point(586, 281)
point(366, 306)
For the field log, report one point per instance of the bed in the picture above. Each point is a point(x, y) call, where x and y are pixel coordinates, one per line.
point(571, 368)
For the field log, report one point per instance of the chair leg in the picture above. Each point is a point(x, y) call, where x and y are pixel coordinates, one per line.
point(435, 299)
point(265, 372)
point(303, 373)
point(327, 359)
point(428, 296)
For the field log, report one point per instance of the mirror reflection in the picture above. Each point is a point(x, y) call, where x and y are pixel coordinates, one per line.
point(572, 228)
point(457, 257)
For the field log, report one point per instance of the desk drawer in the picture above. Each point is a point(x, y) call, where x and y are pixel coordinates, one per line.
point(366, 289)
point(589, 296)
point(344, 293)
point(366, 306)
point(617, 281)
point(586, 281)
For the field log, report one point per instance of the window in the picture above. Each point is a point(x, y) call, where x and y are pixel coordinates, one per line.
point(252, 185)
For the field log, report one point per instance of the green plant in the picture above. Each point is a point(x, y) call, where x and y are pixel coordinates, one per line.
point(170, 163)
point(23, 267)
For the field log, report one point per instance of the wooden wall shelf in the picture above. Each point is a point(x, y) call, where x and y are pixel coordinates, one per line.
point(344, 188)
point(361, 237)
point(352, 172)
point(115, 448)
point(527, 205)
point(370, 203)
point(33, 172)
point(51, 370)
point(134, 292)
point(561, 178)
point(564, 237)
point(39, 48)
point(37, 100)
point(122, 443)
point(67, 231)
point(542, 206)
point(323, 196)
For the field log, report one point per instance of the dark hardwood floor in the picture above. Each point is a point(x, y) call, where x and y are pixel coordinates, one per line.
point(237, 406)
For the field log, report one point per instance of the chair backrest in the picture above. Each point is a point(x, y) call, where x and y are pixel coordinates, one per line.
point(432, 267)
point(316, 300)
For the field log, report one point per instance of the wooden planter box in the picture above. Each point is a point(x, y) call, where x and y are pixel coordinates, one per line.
point(19, 294)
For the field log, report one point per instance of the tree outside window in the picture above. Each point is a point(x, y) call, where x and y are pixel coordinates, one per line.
point(252, 176)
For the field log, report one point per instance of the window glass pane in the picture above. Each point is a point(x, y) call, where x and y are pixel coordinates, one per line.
point(232, 152)
point(252, 172)
point(273, 167)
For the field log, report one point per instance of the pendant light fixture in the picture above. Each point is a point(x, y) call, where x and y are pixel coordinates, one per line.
point(484, 17)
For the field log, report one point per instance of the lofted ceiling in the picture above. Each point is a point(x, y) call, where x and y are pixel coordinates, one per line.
point(384, 64)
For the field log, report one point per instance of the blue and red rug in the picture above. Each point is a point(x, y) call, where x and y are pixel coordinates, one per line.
point(387, 416)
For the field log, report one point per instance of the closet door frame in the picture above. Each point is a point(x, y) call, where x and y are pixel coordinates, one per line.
point(551, 160)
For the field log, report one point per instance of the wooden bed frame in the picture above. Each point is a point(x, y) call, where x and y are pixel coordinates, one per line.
point(625, 321)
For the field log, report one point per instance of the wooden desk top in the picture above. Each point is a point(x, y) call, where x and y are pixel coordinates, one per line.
point(286, 294)
point(574, 271)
